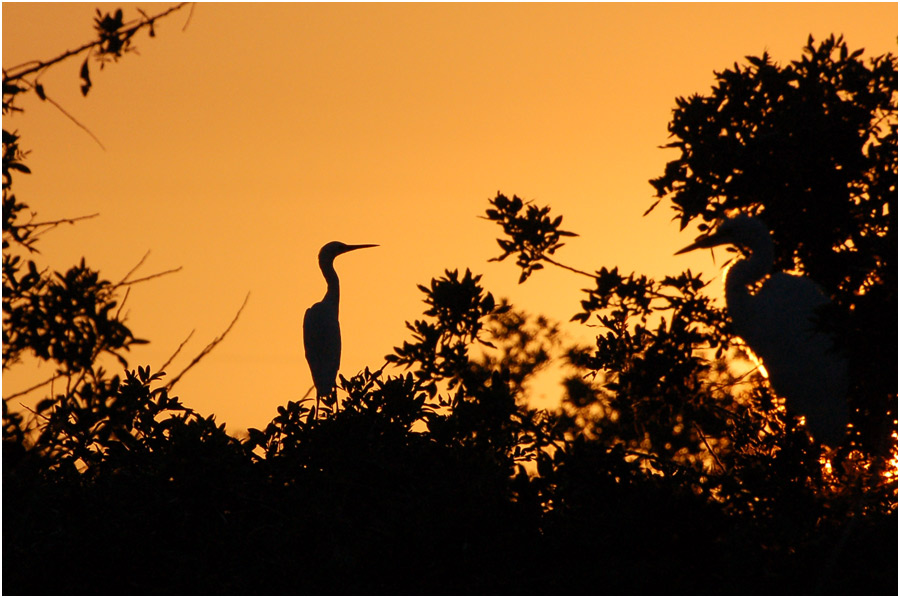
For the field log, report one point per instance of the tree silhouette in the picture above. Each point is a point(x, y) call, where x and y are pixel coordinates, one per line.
point(811, 148)
point(662, 471)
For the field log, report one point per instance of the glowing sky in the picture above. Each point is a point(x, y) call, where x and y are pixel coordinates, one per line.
point(239, 146)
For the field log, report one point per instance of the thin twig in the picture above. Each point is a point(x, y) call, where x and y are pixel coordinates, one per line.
point(125, 282)
point(75, 120)
point(51, 224)
point(33, 412)
point(210, 346)
point(35, 387)
point(122, 305)
point(709, 448)
point(589, 275)
point(133, 270)
point(183, 343)
point(151, 277)
point(565, 267)
point(72, 220)
point(71, 390)
point(190, 16)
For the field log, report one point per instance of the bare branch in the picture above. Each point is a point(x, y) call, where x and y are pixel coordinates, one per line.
point(190, 16)
point(34, 413)
point(75, 120)
point(565, 267)
point(35, 387)
point(178, 350)
point(126, 282)
point(133, 270)
point(210, 346)
point(51, 224)
point(35, 65)
point(122, 305)
point(151, 277)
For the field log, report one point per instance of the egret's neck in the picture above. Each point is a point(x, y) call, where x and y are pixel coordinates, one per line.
point(756, 266)
point(333, 294)
point(746, 272)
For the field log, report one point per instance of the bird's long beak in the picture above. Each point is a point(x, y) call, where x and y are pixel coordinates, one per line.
point(700, 242)
point(691, 247)
point(352, 247)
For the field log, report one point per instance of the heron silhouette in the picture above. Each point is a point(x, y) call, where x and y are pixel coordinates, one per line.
point(321, 328)
point(778, 321)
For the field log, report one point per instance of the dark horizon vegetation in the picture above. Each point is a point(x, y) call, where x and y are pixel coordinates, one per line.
point(662, 473)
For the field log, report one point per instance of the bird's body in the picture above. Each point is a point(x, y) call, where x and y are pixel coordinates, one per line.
point(321, 327)
point(779, 323)
point(322, 344)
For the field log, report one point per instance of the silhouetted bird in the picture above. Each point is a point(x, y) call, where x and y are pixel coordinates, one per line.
point(778, 322)
point(321, 329)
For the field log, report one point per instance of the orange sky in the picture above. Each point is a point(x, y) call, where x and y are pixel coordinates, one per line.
point(236, 148)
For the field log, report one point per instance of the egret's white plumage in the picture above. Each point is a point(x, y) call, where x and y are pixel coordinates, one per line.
point(778, 322)
point(321, 329)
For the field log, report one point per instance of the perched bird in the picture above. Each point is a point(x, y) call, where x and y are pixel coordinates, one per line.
point(777, 320)
point(321, 329)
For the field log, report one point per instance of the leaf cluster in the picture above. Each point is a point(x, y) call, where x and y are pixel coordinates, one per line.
point(67, 318)
point(469, 402)
point(532, 233)
point(440, 347)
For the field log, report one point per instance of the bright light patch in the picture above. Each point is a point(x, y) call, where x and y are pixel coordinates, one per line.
point(890, 474)
point(759, 364)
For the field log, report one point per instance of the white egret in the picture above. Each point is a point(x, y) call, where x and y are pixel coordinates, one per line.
point(777, 320)
point(321, 329)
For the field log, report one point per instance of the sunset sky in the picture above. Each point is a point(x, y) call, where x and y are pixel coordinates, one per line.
point(237, 147)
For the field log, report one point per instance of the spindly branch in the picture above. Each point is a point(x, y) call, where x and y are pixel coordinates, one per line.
point(11, 75)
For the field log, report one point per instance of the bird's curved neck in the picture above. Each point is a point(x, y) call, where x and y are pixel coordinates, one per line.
point(748, 271)
point(757, 265)
point(333, 294)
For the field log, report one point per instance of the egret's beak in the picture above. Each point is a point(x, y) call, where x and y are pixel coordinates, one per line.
point(709, 240)
point(352, 247)
point(691, 247)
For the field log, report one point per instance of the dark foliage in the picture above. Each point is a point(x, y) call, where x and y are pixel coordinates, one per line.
point(811, 148)
point(661, 474)
point(532, 233)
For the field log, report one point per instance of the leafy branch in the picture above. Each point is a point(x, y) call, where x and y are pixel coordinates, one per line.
point(114, 38)
point(533, 234)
